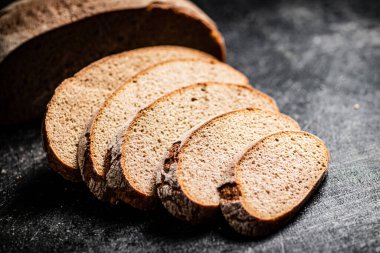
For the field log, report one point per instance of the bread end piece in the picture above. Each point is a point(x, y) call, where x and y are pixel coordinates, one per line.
point(173, 198)
point(47, 31)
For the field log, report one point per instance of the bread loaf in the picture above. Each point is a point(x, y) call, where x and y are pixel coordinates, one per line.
point(44, 42)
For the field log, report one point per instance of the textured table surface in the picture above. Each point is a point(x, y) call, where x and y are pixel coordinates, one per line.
point(319, 59)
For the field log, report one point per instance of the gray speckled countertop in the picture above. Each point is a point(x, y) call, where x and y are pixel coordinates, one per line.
point(320, 60)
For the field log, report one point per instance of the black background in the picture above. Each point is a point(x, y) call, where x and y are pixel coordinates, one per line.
point(320, 60)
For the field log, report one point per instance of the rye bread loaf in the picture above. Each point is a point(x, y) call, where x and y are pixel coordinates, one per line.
point(140, 149)
point(203, 160)
point(44, 42)
point(77, 98)
point(273, 179)
point(127, 100)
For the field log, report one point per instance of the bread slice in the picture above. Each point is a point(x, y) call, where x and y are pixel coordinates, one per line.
point(137, 93)
point(273, 179)
point(139, 151)
point(78, 98)
point(203, 160)
point(43, 44)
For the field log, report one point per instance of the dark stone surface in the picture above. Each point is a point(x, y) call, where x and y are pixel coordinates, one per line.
point(319, 59)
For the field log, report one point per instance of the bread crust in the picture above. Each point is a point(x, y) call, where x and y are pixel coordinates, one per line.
point(56, 162)
point(94, 182)
point(22, 34)
point(172, 196)
point(122, 190)
point(245, 223)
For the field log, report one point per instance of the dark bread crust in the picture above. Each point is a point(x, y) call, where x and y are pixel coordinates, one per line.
point(239, 219)
point(173, 198)
point(245, 223)
point(121, 190)
point(32, 85)
point(95, 182)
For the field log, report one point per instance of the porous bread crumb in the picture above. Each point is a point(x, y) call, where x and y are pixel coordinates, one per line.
point(278, 172)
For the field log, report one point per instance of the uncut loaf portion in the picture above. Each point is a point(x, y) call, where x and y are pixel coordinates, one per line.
point(204, 158)
point(77, 98)
point(139, 151)
point(44, 42)
point(123, 105)
point(273, 179)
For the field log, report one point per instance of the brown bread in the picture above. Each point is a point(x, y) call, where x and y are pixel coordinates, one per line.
point(44, 42)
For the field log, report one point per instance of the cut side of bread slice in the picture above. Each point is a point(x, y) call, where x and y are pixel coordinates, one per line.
point(43, 44)
point(78, 98)
point(204, 158)
point(139, 151)
point(272, 181)
point(123, 105)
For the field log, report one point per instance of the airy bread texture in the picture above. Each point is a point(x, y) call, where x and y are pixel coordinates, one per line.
point(79, 97)
point(44, 42)
point(204, 159)
point(273, 179)
point(123, 105)
point(139, 152)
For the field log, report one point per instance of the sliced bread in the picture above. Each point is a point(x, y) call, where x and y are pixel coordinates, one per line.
point(123, 105)
point(203, 160)
point(272, 181)
point(140, 149)
point(78, 98)
point(44, 42)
